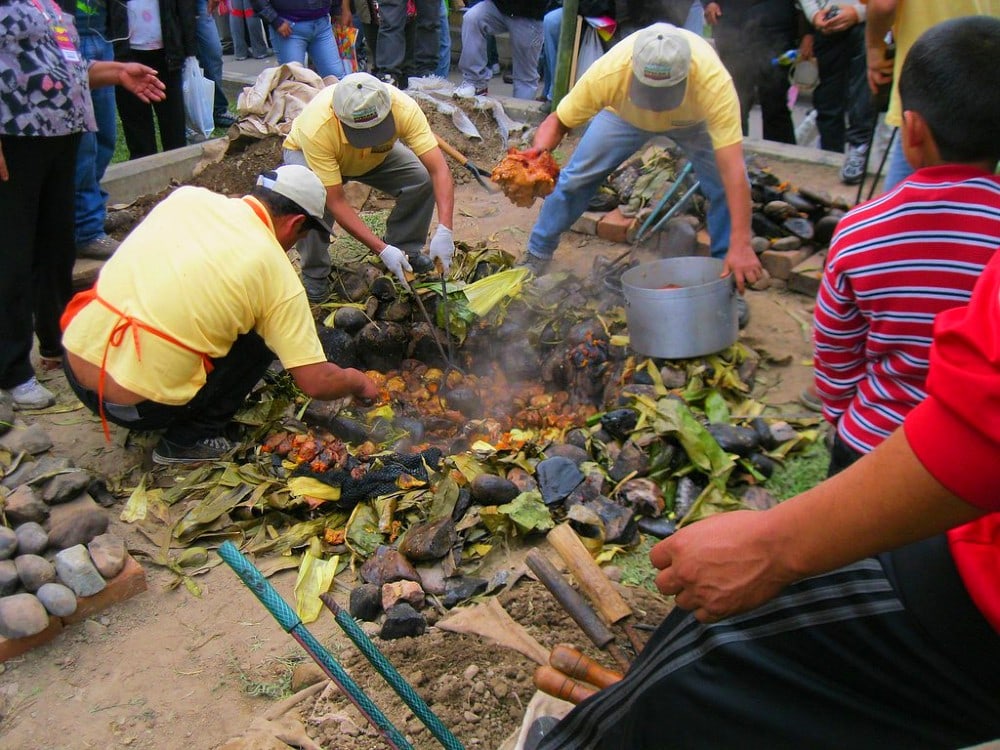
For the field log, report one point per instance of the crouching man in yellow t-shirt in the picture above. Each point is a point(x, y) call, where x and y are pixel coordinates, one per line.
point(661, 80)
point(194, 306)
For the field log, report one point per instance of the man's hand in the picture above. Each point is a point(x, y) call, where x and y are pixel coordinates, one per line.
point(841, 21)
point(722, 565)
point(442, 247)
point(395, 260)
point(806, 47)
point(4, 174)
point(365, 389)
point(141, 80)
point(743, 264)
point(712, 13)
point(285, 29)
point(880, 67)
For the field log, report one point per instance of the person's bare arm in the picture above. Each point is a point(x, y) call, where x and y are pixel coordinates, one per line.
point(443, 183)
point(741, 260)
point(881, 16)
point(733, 562)
point(347, 217)
point(4, 173)
point(549, 134)
point(139, 79)
point(326, 381)
point(712, 13)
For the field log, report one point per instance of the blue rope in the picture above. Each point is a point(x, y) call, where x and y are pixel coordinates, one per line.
point(391, 675)
point(290, 621)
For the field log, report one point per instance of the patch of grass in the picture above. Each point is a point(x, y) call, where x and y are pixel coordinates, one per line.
point(278, 687)
point(121, 149)
point(800, 473)
point(635, 566)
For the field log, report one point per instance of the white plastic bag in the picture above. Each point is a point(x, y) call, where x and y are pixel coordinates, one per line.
point(199, 98)
point(590, 50)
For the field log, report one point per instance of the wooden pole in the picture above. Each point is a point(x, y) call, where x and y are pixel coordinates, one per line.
point(576, 52)
point(560, 80)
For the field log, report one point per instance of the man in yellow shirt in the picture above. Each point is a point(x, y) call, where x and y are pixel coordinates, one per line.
point(194, 306)
point(660, 80)
point(366, 130)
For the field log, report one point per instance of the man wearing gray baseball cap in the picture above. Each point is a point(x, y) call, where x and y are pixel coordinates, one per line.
point(366, 130)
point(661, 80)
point(192, 309)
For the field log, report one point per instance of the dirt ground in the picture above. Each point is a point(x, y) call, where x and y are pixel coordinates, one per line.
point(167, 669)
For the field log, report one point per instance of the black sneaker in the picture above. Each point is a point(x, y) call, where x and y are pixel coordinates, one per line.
point(534, 263)
point(224, 120)
point(206, 449)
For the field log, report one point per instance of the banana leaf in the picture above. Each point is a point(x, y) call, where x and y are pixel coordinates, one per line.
point(315, 577)
point(528, 513)
point(205, 515)
point(712, 500)
point(673, 417)
point(363, 536)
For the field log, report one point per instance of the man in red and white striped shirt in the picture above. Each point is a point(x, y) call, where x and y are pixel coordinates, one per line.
point(894, 264)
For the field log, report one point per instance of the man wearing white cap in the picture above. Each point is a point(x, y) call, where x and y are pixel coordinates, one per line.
point(660, 80)
point(366, 130)
point(191, 310)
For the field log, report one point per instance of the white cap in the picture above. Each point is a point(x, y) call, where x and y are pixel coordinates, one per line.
point(363, 104)
point(301, 186)
point(661, 58)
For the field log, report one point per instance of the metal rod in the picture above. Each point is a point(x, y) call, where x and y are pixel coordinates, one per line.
point(685, 171)
point(676, 207)
point(293, 625)
point(423, 311)
point(391, 675)
point(447, 318)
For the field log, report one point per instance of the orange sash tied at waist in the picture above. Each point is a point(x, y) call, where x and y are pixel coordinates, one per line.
point(124, 324)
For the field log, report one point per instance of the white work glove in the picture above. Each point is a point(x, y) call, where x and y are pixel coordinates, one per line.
point(395, 260)
point(442, 247)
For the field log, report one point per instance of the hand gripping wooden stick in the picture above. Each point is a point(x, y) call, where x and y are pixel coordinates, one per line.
point(550, 680)
point(579, 666)
point(597, 586)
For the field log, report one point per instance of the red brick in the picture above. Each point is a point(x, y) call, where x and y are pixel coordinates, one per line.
point(11, 647)
point(616, 227)
point(125, 585)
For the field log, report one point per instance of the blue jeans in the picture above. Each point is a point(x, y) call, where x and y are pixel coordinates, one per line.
point(484, 19)
point(314, 38)
point(210, 53)
point(444, 48)
point(96, 149)
point(897, 168)
point(608, 141)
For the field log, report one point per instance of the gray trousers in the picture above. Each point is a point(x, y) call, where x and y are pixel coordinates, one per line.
point(403, 176)
point(525, 47)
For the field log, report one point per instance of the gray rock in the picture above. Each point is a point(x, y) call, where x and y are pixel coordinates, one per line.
point(785, 244)
point(8, 543)
point(29, 471)
point(574, 453)
point(76, 570)
point(31, 538)
point(34, 571)
point(461, 588)
point(429, 541)
point(643, 495)
point(760, 244)
point(9, 580)
point(490, 489)
point(402, 621)
point(673, 377)
point(619, 526)
point(631, 460)
point(31, 439)
point(557, 477)
point(23, 505)
point(59, 600)
point(75, 522)
point(365, 602)
point(22, 615)
point(387, 565)
point(107, 552)
point(6, 411)
point(64, 487)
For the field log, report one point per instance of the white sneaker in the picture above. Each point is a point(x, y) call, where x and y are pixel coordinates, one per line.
point(32, 395)
point(467, 90)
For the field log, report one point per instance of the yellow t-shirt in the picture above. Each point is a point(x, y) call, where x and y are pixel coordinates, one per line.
point(710, 96)
point(204, 269)
point(913, 18)
point(318, 134)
